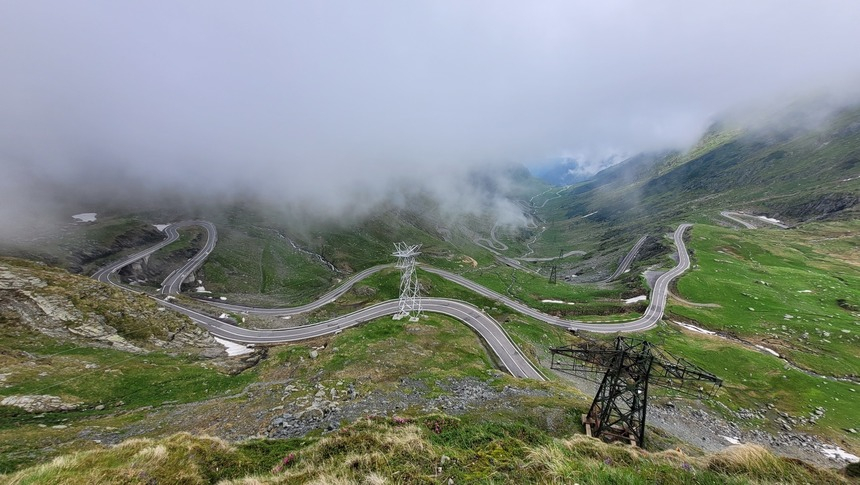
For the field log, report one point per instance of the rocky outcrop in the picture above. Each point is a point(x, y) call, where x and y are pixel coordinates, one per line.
point(42, 403)
point(56, 316)
point(67, 307)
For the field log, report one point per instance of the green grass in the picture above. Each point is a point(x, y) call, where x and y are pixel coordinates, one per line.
point(119, 381)
point(82, 371)
point(86, 247)
point(255, 261)
point(781, 289)
point(759, 278)
point(188, 239)
point(752, 379)
point(115, 377)
point(384, 350)
point(799, 175)
point(588, 300)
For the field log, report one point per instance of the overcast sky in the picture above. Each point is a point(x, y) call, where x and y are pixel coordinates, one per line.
point(307, 97)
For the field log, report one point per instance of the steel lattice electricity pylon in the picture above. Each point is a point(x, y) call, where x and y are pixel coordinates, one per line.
point(410, 300)
point(618, 409)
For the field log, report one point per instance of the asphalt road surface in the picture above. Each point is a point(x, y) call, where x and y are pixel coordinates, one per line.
point(488, 329)
point(552, 258)
point(738, 217)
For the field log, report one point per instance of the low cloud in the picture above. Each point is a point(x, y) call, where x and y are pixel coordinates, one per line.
point(340, 105)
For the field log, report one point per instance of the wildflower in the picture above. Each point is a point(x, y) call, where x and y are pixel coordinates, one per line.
point(286, 461)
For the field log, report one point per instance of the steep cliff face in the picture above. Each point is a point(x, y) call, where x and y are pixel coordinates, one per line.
point(73, 308)
point(827, 206)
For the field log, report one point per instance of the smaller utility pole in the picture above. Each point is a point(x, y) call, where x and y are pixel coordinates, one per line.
point(553, 270)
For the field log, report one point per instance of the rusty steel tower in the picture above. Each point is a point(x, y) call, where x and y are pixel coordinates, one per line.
point(619, 407)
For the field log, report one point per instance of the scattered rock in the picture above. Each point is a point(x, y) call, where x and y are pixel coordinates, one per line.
point(459, 395)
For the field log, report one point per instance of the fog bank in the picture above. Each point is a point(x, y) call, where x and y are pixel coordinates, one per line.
point(330, 105)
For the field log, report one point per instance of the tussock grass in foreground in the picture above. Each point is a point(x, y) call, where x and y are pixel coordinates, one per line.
point(181, 458)
point(428, 449)
point(756, 462)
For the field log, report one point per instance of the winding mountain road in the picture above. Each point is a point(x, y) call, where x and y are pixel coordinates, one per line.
point(172, 233)
point(652, 315)
point(575, 252)
point(499, 342)
point(507, 353)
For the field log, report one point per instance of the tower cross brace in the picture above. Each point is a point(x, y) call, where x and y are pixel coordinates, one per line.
point(410, 299)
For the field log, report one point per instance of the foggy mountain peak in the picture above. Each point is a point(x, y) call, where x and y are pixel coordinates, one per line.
point(337, 106)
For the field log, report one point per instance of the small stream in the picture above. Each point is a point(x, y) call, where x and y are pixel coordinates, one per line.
point(300, 249)
point(313, 254)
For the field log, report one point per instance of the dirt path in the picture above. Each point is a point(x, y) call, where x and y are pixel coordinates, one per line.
point(691, 304)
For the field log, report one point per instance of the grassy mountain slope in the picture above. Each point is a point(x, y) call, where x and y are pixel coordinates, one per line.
point(267, 260)
point(788, 166)
point(76, 351)
point(743, 284)
point(515, 428)
point(791, 172)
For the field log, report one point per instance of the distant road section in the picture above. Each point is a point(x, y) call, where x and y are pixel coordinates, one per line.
point(738, 217)
point(553, 258)
point(735, 216)
point(488, 329)
point(320, 302)
point(104, 274)
point(628, 258)
point(652, 315)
